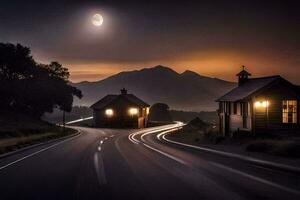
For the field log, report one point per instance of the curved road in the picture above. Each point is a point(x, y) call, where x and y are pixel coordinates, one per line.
point(134, 164)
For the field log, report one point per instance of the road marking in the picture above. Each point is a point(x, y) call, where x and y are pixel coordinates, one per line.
point(166, 154)
point(40, 151)
point(165, 132)
point(231, 169)
point(233, 155)
point(131, 137)
point(78, 120)
point(133, 141)
point(255, 178)
point(99, 167)
point(147, 133)
point(166, 128)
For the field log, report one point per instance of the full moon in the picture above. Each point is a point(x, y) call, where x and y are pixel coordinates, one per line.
point(97, 20)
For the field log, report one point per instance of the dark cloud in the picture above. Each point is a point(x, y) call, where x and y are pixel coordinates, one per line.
point(137, 31)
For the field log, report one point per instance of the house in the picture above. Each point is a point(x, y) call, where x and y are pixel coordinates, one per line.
point(123, 110)
point(260, 105)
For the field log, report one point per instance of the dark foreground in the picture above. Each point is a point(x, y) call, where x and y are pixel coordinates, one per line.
point(106, 164)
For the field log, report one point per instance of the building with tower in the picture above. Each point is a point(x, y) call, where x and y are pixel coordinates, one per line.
point(260, 105)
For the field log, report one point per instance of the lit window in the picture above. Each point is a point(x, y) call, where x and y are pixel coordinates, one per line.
point(289, 111)
point(261, 104)
point(147, 110)
point(133, 111)
point(109, 112)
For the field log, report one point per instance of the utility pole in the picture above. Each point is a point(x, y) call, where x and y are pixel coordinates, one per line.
point(64, 121)
point(267, 112)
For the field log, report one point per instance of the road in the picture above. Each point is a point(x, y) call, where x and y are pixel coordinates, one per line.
point(134, 164)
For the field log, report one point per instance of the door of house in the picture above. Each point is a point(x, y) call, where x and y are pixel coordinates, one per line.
point(141, 122)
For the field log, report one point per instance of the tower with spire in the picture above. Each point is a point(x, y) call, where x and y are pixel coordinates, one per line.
point(243, 76)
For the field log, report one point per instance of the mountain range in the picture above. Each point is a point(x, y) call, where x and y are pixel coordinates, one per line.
point(188, 91)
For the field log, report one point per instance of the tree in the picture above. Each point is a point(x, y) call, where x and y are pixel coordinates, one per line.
point(32, 88)
point(160, 112)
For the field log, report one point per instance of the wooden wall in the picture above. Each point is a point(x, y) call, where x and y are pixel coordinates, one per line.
point(120, 118)
point(233, 113)
point(271, 118)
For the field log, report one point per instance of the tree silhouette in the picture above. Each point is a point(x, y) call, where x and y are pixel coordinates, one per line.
point(160, 112)
point(32, 88)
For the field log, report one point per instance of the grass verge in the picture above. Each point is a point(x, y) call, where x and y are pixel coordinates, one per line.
point(20, 140)
point(286, 148)
point(283, 147)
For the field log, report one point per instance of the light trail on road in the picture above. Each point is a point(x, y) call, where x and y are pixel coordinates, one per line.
point(161, 136)
point(137, 164)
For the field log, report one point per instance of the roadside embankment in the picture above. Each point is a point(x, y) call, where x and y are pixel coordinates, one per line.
point(18, 131)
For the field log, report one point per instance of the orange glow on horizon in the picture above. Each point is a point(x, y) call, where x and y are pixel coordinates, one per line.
point(220, 64)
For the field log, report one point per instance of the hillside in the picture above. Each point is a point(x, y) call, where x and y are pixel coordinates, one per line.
point(185, 91)
point(18, 130)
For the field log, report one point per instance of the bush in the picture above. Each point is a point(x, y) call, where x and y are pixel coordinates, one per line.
point(242, 134)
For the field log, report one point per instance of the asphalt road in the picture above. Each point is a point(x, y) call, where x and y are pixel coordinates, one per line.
point(126, 164)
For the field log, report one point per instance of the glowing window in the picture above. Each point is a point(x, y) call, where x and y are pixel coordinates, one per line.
point(289, 111)
point(147, 110)
point(109, 112)
point(133, 111)
point(261, 104)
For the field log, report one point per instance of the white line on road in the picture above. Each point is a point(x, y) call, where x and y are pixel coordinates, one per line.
point(162, 135)
point(147, 133)
point(132, 138)
point(40, 151)
point(166, 154)
point(78, 120)
point(233, 155)
point(256, 178)
point(133, 141)
point(99, 167)
point(166, 129)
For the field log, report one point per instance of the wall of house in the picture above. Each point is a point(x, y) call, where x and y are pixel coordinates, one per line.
point(120, 118)
point(238, 116)
point(117, 120)
point(236, 122)
point(236, 119)
point(270, 118)
point(223, 112)
point(235, 114)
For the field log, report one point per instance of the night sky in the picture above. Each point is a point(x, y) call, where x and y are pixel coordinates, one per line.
point(213, 38)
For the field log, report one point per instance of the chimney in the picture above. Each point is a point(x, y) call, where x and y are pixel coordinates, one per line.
point(243, 76)
point(123, 91)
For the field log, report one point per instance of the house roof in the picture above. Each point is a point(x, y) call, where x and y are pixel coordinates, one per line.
point(248, 88)
point(104, 101)
point(111, 98)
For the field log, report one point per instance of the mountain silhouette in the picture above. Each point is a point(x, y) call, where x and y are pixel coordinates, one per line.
point(186, 91)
